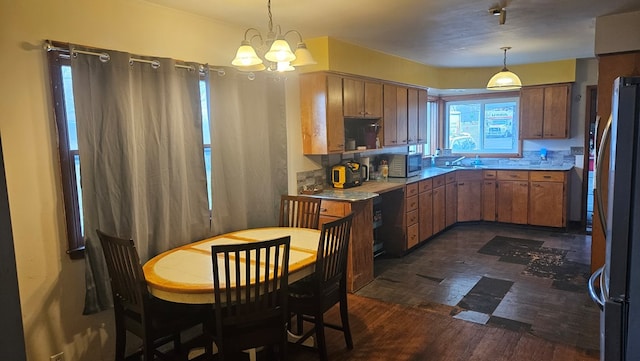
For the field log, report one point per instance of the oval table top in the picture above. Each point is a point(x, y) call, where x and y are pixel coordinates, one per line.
point(185, 274)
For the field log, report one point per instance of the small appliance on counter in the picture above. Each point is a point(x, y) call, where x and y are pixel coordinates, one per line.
point(346, 174)
point(365, 168)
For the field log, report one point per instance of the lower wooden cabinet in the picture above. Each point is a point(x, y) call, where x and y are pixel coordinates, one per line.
point(450, 199)
point(360, 263)
point(469, 195)
point(425, 209)
point(548, 198)
point(512, 196)
point(489, 196)
point(439, 205)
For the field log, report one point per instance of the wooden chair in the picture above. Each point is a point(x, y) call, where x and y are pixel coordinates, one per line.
point(250, 297)
point(299, 211)
point(312, 296)
point(155, 321)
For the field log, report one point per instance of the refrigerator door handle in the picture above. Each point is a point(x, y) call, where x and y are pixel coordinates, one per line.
point(596, 296)
point(606, 138)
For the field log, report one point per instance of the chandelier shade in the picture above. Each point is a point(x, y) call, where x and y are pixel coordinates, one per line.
point(504, 79)
point(278, 57)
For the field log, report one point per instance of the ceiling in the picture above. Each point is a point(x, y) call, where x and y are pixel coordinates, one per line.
point(442, 33)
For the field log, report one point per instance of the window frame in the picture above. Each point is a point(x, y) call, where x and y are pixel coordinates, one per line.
point(481, 98)
point(76, 245)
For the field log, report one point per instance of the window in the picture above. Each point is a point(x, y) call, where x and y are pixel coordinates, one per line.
point(62, 85)
point(483, 126)
point(428, 147)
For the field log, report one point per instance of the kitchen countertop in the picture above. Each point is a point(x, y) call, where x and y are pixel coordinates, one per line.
point(374, 188)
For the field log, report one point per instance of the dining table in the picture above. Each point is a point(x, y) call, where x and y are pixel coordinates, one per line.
point(185, 274)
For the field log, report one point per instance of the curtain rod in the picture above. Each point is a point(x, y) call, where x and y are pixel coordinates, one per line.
point(104, 57)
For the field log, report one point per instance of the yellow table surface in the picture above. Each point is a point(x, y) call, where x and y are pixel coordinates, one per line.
point(185, 274)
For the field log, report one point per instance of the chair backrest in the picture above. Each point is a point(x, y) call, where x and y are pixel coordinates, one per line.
point(128, 285)
point(333, 249)
point(250, 282)
point(299, 211)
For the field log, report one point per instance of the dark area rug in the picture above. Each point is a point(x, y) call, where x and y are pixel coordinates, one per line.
point(544, 262)
point(486, 295)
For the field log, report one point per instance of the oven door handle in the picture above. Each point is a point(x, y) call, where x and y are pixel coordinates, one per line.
point(596, 295)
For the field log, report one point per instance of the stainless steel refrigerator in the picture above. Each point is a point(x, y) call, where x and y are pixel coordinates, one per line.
point(616, 286)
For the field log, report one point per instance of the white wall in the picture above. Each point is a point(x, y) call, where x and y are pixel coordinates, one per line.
point(51, 285)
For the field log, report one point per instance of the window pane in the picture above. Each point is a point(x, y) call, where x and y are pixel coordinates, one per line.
point(483, 126)
point(70, 109)
point(206, 136)
point(76, 162)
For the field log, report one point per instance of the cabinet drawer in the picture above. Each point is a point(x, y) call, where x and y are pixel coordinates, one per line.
point(412, 217)
point(513, 175)
point(543, 176)
point(450, 177)
point(331, 208)
point(489, 174)
point(468, 175)
point(425, 185)
point(412, 190)
point(411, 204)
point(438, 181)
point(412, 235)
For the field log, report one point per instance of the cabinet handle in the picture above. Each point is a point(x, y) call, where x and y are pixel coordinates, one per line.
point(524, 185)
point(537, 185)
point(546, 176)
point(512, 175)
point(322, 210)
point(460, 184)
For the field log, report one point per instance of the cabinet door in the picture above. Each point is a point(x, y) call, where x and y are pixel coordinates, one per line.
point(390, 115)
point(425, 208)
point(353, 94)
point(556, 111)
point(373, 100)
point(531, 112)
point(321, 114)
point(512, 201)
point(423, 127)
point(489, 200)
point(412, 116)
point(439, 215)
point(469, 200)
point(546, 206)
point(451, 204)
point(401, 115)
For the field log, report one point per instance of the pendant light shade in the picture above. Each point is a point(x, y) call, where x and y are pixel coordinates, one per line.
point(246, 55)
point(504, 79)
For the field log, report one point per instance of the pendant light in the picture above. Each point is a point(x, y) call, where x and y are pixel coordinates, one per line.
point(279, 56)
point(504, 79)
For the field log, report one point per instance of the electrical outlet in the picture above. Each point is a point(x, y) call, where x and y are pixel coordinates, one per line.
point(57, 357)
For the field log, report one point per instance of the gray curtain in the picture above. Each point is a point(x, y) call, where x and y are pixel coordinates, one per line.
point(248, 150)
point(142, 164)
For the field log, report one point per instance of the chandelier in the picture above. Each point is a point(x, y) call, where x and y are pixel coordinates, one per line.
point(504, 79)
point(279, 56)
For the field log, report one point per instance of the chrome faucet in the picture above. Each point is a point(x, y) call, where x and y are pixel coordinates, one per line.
point(457, 161)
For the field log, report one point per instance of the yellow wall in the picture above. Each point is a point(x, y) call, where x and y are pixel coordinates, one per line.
point(339, 56)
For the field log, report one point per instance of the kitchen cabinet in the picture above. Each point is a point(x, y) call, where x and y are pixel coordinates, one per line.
point(548, 198)
point(395, 115)
point(411, 214)
point(512, 196)
point(321, 113)
point(469, 183)
point(362, 98)
point(425, 208)
point(451, 199)
point(412, 116)
point(360, 259)
point(489, 196)
point(423, 131)
point(545, 111)
point(439, 208)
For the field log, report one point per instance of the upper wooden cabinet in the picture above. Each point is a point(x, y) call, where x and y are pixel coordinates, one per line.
point(423, 132)
point(545, 111)
point(412, 116)
point(321, 113)
point(395, 115)
point(362, 99)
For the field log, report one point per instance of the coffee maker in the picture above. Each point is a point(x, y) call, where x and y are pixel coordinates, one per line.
point(364, 168)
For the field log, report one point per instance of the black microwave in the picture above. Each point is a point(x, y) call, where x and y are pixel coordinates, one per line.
point(404, 165)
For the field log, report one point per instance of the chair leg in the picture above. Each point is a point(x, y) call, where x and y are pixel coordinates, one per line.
point(121, 339)
point(321, 341)
point(344, 316)
point(299, 323)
